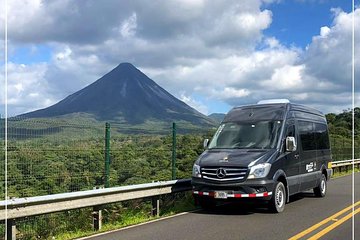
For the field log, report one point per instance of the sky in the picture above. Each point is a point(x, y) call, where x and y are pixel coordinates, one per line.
point(211, 54)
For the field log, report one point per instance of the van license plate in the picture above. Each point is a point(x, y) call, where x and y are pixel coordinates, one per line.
point(222, 195)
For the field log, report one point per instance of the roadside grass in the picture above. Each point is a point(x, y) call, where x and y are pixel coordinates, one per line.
point(345, 173)
point(128, 217)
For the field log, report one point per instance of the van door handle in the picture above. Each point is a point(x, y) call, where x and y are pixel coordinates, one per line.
point(296, 156)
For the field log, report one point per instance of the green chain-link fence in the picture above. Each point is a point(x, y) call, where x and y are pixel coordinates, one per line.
point(55, 156)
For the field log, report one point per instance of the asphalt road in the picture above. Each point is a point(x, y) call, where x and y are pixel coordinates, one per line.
point(236, 221)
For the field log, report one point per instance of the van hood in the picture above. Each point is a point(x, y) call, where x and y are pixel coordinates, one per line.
point(234, 157)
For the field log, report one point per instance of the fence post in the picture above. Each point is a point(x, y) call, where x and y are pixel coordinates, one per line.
point(107, 154)
point(155, 202)
point(344, 150)
point(173, 162)
point(97, 218)
point(11, 229)
point(334, 150)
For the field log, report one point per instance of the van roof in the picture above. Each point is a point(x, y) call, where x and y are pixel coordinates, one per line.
point(302, 108)
point(257, 111)
point(267, 111)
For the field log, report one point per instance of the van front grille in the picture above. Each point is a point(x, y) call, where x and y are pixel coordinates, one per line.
point(224, 173)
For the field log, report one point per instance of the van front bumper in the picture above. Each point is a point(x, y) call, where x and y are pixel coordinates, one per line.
point(253, 188)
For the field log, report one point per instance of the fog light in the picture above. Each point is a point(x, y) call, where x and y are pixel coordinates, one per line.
point(260, 190)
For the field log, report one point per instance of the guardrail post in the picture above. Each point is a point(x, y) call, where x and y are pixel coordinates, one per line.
point(97, 218)
point(107, 154)
point(155, 211)
point(173, 162)
point(11, 229)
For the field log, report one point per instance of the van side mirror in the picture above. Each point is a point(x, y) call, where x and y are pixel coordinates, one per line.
point(290, 144)
point(206, 143)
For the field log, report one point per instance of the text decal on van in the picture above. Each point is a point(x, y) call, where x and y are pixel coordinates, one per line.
point(310, 167)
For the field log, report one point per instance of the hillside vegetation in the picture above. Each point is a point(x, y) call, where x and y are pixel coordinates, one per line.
point(341, 124)
point(340, 128)
point(54, 156)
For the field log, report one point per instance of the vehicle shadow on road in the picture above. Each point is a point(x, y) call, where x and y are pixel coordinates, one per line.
point(247, 208)
point(236, 208)
point(300, 196)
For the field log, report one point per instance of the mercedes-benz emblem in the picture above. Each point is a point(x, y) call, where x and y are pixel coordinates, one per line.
point(221, 173)
point(225, 159)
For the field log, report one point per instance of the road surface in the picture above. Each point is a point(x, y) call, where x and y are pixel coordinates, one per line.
point(304, 217)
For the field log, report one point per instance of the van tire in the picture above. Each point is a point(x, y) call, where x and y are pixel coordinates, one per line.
point(278, 199)
point(320, 190)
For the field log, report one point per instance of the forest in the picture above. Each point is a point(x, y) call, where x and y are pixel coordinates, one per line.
point(58, 156)
point(55, 156)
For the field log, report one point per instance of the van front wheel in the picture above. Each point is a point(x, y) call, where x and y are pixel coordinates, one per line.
point(320, 190)
point(278, 199)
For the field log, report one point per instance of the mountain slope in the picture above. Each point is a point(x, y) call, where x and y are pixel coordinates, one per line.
point(217, 117)
point(124, 94)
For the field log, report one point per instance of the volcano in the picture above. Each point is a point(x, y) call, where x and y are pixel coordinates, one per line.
point(124, 93)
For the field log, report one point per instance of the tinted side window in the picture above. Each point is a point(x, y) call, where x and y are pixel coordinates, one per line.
point(307, 136)
point(321, 136)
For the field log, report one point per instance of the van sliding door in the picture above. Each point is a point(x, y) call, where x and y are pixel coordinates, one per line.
point(292, 160)
point(309, 169)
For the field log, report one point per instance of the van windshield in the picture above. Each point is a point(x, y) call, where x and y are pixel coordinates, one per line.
point(256, 135)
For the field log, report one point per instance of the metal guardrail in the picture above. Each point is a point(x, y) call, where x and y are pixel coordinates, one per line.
point(345, 165)
point(25, 207)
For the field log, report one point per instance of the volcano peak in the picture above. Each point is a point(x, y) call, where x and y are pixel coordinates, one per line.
point(128, 94)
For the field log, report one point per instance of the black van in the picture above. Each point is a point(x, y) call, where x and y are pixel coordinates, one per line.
point(266, 151)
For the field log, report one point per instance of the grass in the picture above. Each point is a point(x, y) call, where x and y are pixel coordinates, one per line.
point(344, 173)
point(136, 216)
point(128, 220)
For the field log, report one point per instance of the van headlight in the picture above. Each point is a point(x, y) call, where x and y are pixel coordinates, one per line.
point(259, 171)
point(196, 171)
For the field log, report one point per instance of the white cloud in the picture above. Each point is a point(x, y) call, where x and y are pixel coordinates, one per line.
point(194, 104)
point(233, 79)
point(285, 78)
point(328, 57)
point(324, 31)
point(230, 93)
point(27, 88)
point(61, 56)
point(70, 71)
point(128, 27)
point(238, 28)
point(214, 49)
